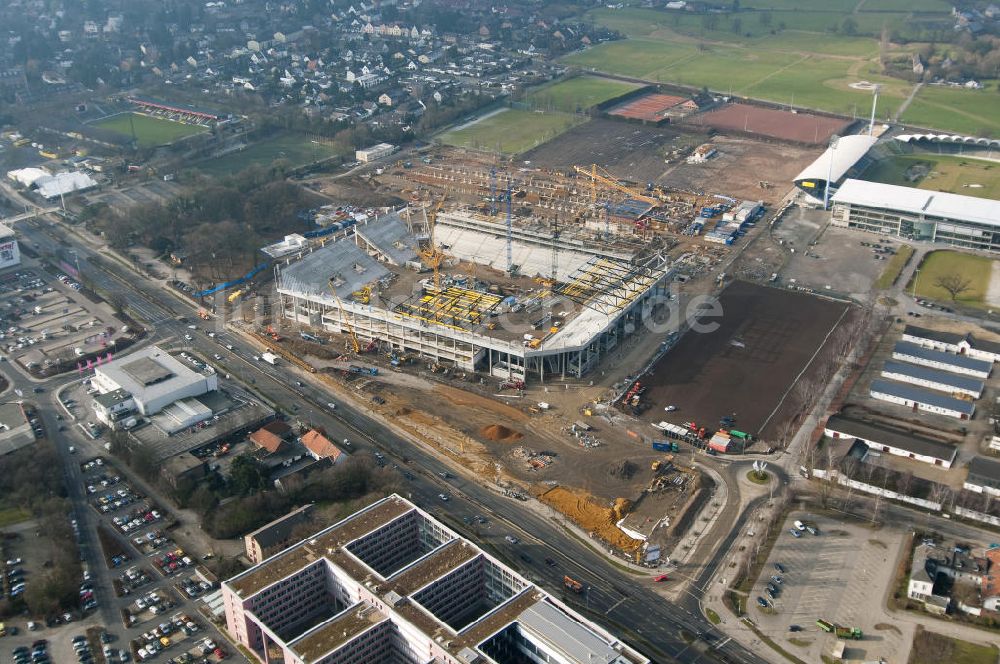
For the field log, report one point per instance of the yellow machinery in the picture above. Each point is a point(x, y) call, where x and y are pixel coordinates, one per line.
point(343, 316)
point(431, 254)
point(363, 295)
point(599, 175)
point(234, 296)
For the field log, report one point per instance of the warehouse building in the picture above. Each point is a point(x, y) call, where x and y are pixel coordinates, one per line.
point(10, 253)
point(153, 379)
point(535, 304)
point(952, 342)
point(916, 214)
point(891, 441)
point(845, 157)
point(392, 584)
point(935, 379)
point(936, 359)
point(984, 476)
point(920, 399)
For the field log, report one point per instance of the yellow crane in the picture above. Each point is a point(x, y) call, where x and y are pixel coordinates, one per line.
point(431, 254)
point(350, 329)
point(599, 175)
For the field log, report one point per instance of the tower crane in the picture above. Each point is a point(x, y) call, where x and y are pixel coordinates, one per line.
point(431, 254)
point(350, 329)
point(599, 175)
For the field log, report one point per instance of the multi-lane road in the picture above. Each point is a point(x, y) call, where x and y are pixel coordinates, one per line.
point(627, 603)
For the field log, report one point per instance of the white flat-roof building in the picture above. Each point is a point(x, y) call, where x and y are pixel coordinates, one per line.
point(153, 379)
point(920, 399)
point(891, 441)
point(935, 379)
point(936, 359)
point(952, 342)
point(917, 214)
point(984, 476)
point(392, 584)
point(374, 152)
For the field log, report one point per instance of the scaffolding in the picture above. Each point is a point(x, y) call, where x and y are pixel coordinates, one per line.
point(453, 307)
point(608, 286)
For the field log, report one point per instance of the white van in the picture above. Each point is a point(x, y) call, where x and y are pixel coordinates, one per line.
point(799, 525)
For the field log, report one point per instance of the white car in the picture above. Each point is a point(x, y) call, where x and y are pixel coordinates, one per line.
point(188, 337)
point(443, 497)
point(799, 525)
point(670, 409)
point(331, 405)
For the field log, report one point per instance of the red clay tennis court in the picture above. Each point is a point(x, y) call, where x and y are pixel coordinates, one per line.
point(773, 123)
point(650, 108)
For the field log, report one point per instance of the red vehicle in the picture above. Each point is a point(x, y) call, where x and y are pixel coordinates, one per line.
point(661, 578)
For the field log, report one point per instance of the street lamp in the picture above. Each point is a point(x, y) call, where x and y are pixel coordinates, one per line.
point(915, 277)
point(829, 172)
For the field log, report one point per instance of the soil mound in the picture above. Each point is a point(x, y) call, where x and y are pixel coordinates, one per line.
point(499, 432)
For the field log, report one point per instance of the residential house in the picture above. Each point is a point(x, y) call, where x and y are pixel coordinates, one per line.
point(319, 447)
point(275, 536)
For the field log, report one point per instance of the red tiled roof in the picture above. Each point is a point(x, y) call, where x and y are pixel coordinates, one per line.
point(991, 580)
point(266, 439)
point(320, 445)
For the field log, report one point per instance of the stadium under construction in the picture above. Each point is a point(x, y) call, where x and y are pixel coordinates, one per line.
point(522, 300)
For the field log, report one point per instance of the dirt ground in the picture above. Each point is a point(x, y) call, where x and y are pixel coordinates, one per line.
point(629, 151)
point(740, 166)
point(771, 123)
point(354, 190)
point(765, 338)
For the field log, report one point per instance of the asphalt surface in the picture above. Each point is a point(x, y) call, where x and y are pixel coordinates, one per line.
point(622, 601)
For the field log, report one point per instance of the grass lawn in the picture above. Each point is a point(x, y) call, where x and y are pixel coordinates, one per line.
point(11, 515)
point(149, 131)
point(577, 94)
point(937, 264)
point(511, 131)
point(966, 111)
point(896, 264)
point(298, 149)
point(932, 648)
point(950, 173)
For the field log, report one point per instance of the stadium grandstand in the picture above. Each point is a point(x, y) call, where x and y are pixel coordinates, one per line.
point(845, 158)
point(178, 112)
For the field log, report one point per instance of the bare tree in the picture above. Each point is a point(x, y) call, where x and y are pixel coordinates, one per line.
point(954, 283)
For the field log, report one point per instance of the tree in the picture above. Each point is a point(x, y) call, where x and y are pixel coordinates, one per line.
point(736, 25)
point(954, 283)
point(849, 26)
point(246, 475)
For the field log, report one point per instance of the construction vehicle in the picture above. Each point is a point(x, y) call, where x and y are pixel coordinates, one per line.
point(841, 632)
point(343, 317)
point(572, 584)
point(363, 295)
point(599, 175)
point(355, 369)
point(202, 314)
point(234, 296)
point(431, 254)
point(666, 446)
point(271, 332)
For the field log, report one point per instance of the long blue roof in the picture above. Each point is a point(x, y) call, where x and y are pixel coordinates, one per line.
point(948, 378)
point(963, 361)
point(920, 395)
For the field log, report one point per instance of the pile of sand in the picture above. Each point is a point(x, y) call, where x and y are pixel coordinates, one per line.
point(499, 432)
point(590, 515)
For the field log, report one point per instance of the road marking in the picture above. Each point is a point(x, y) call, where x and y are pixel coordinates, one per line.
point(615, 605)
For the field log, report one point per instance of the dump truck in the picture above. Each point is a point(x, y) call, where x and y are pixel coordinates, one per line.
point(666, 446)
point(573, 584)
point(841, 632)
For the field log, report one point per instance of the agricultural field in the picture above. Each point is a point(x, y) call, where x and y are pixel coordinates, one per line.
point(935, 172)
point(937, 264)
point(297, 149)
point(149, 131)
point(577, 94)
point(957, 109)
point(511, 131)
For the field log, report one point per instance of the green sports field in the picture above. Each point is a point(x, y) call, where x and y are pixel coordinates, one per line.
point(149, 131)
point(976, 269)
point(577, 94)
point(297, 149)
point(795, 54)
point(935, 172)
point(511, 131)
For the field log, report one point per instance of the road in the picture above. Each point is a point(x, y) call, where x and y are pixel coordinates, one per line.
point(624, 602)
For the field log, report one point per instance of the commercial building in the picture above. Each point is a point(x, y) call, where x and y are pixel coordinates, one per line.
point(540, 302)
point(830, 168)
point(10, 253)
point(366, 155)
point(390, 584)
point(952, 342)
point(920, 399)
point(891, 441)
point(275, 536)
point(935, 379)
point(916, 214)
point(15, 429)
point(936, 359)
point(153, 379)
point(984, 476)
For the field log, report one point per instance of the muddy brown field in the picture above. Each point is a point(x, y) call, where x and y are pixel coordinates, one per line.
point(765, 338)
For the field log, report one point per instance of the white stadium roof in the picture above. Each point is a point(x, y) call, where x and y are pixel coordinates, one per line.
point(957, 139)
point(919, 202)
point(848, 151)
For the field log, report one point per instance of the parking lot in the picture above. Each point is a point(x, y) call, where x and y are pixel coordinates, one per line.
point(838, 260)
point(43, 320)
point(840, 575)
